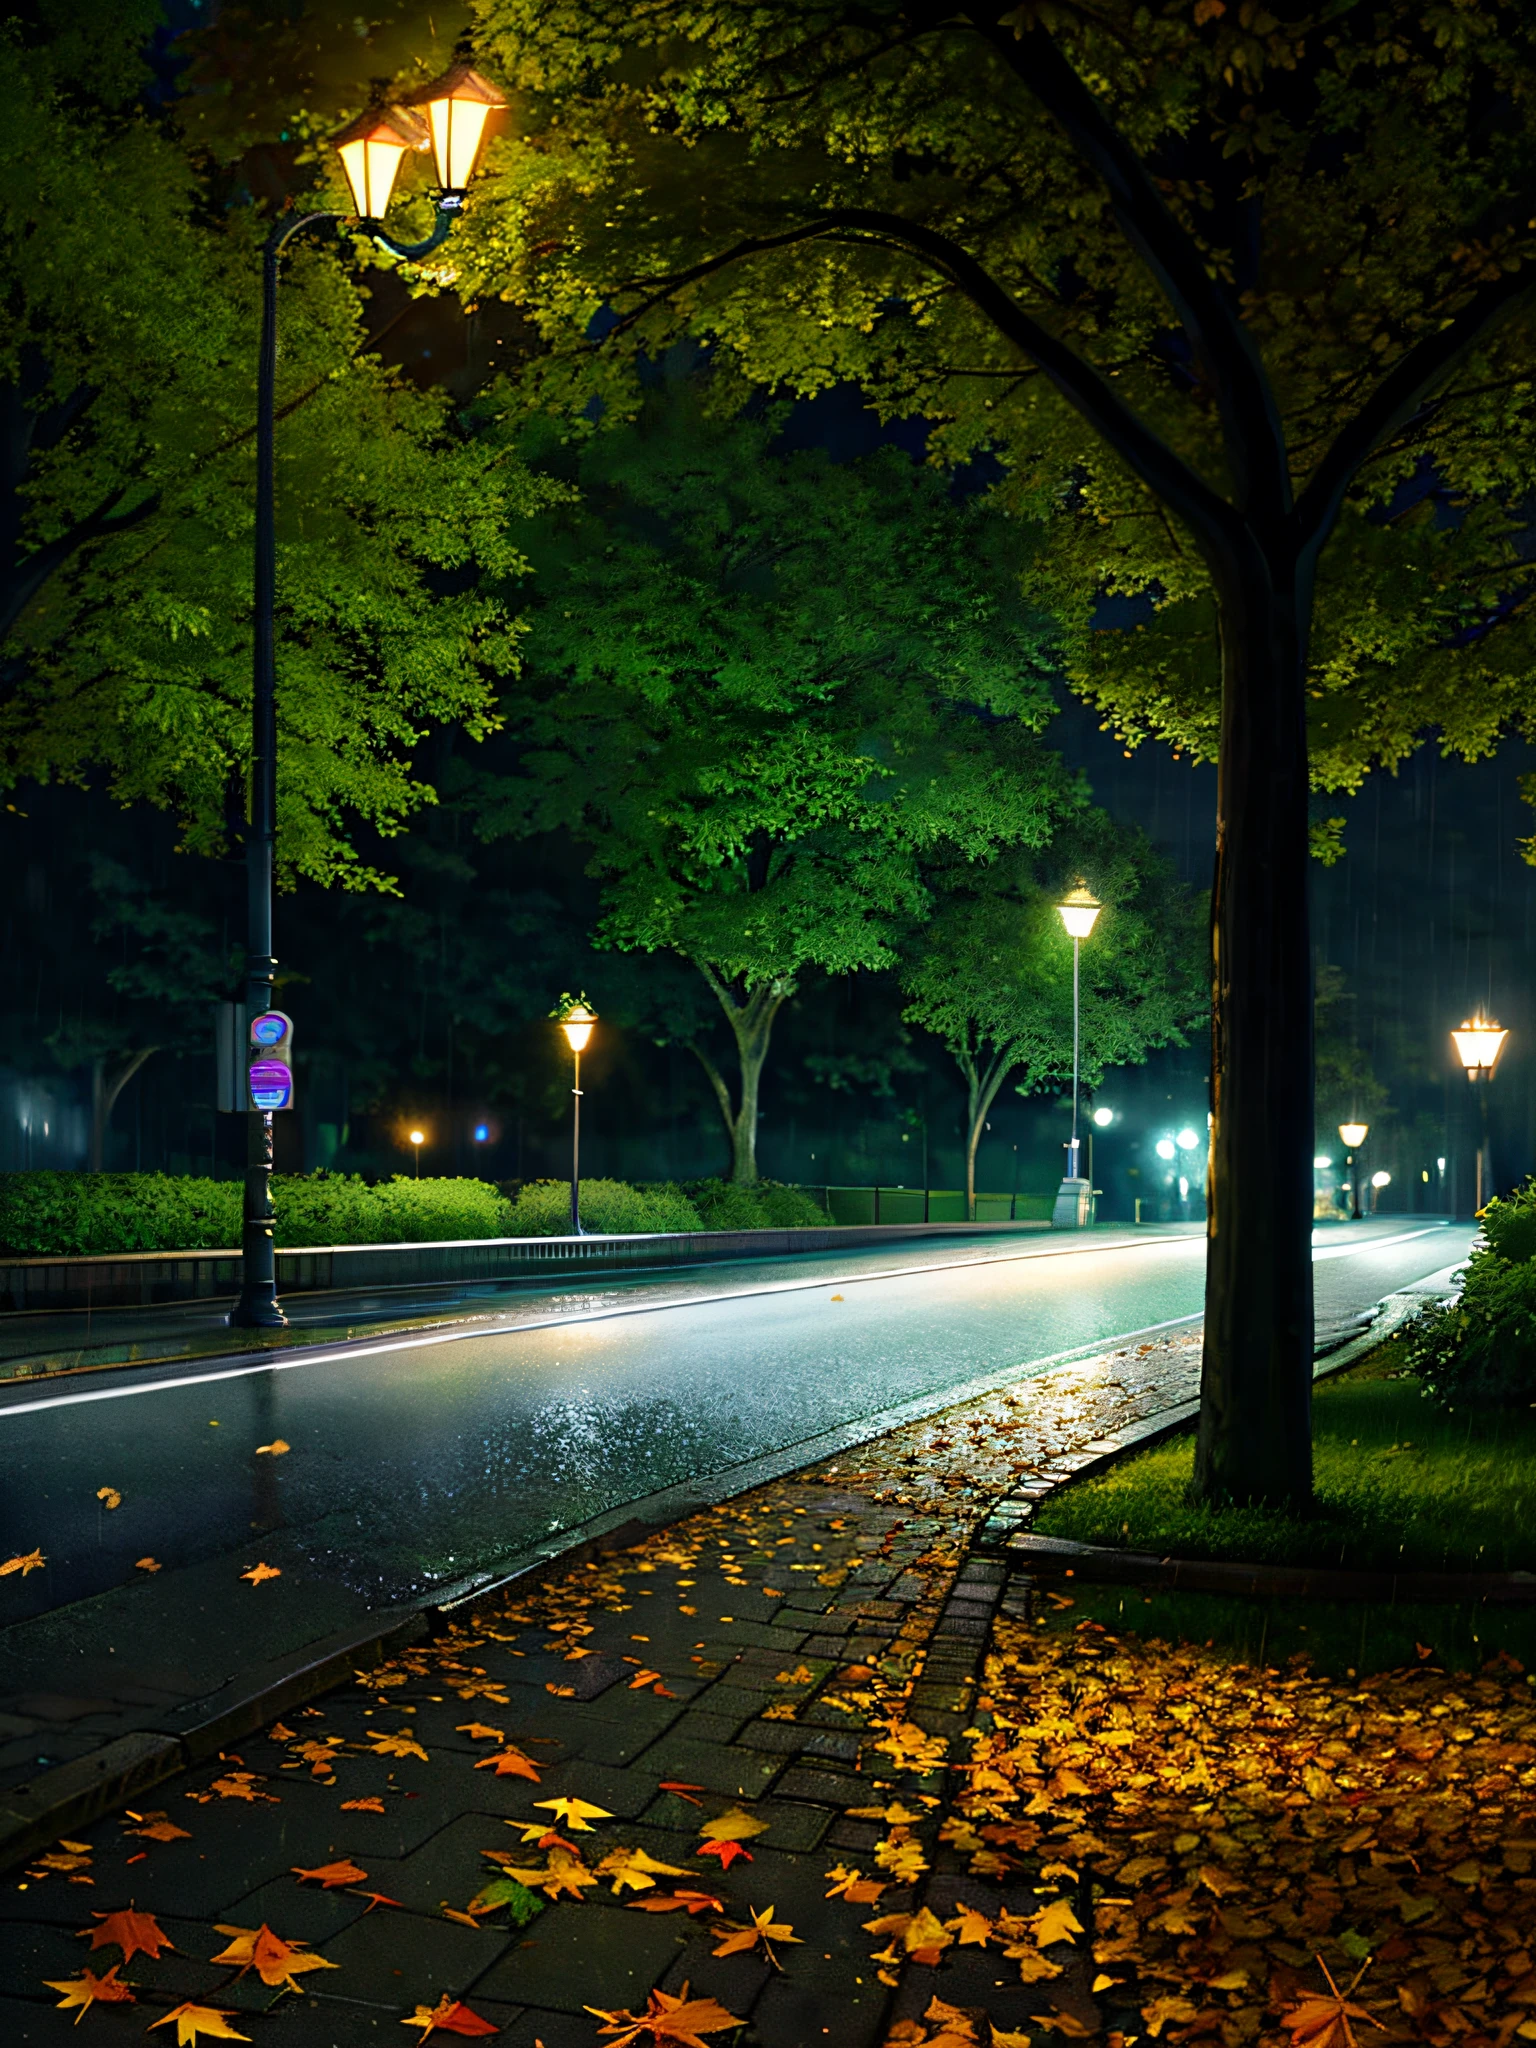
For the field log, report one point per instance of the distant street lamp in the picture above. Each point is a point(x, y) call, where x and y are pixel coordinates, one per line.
point(1078, 912)
point(576, 1021)
point(418, 1139)
point(1478, 1045)
point(1354, 1136)
point(456, 107)
point(1378, 1182)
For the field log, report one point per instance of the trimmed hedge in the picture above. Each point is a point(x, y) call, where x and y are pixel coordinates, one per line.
point(58, 1213)
point(55, 1214)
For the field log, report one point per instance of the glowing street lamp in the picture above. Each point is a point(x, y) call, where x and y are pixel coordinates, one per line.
point(1353, 1136)
point(1378, 1182)
point(576, 1021)
point(418, 1139)
point(372, 148)
point(1078, 912)
point(1478, 1045)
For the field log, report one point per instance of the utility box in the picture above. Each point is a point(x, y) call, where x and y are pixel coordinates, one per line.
point(1074, 1206)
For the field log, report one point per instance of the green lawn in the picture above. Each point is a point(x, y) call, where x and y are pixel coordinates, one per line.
point(1398, 1486)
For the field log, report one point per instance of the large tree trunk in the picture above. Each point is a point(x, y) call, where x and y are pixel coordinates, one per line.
point(1256, 1385)
point(751, 1020)
point(980, 1093)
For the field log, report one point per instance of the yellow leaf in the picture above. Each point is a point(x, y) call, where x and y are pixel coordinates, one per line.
point(257, 1575)
point(402, 1743)
point(971, 1928)
point(275, 1961)
point(109, 1496)
point(1160, 2011)
point(87, 1988)
point(634, 1870)
point(576, 1814)
point(32, 1562)
point(1055, 1922)
point(479, 1731)
point(193, 2021)
point(276, 1449)
point(146, 1564)
point(734, 1826)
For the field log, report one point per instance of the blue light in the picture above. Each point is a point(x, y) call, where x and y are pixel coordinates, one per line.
point(482, 1132)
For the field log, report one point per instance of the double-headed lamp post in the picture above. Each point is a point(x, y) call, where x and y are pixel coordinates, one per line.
point(1478, 1045)
point(449, 116)
point(1353, 1136)
point(576, 1021)
point(1078, 911)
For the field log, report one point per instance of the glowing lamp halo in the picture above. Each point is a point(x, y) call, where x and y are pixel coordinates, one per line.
point(1353, 1135)
point(1079, 910)
point(1478, 1045)
point(372, 149)
point(577, 1024)
point(457, 107)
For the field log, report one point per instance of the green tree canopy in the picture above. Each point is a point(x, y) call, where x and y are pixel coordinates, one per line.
point(763, 687)
point(127, 389)
point(990, 971)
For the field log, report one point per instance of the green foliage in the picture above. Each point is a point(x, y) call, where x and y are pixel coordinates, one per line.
point(765, 1205)
point(1479, 1351)
point(888, 196)
point(611, 1208)
point(1397, 1487)
point(127, 369)
point(48, 1214)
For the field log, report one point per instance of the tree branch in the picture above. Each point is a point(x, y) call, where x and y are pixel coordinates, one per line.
point(717, 1082)
point(1255, 438)
point(1398, 396)
point(1084, 388)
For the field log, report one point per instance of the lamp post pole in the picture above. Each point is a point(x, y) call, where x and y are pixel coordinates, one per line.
point(371, 149)
point(576, 1147)
point(1478, 1045)
point(1077, 912)
point(1077, 950)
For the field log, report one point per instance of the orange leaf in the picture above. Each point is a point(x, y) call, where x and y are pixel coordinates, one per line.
point(680, 1902)
point(87, 1988)
point(330, 1875)
point(642, 1679)
point(256, 1575)
point(194, 2020)
point(448, 2016)
point(133, 1932)
point(679, 2022)
point(511, 1763)
point(1323, 2022)
point(374, 1899)
point(682, 1791)
point(276, 1449)
point(32, 1562)
point(726, 1851)
point(161, 1830)
point(372, 1804)
point(275, 1961)
point(478, 1731)
point(111, 1498)
point(146, 1564)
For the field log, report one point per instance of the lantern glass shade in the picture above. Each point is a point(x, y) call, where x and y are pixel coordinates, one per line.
point(372, 149)
point(457, 107)
point(1079, 911)
point(1478, 1045)
point(1353, 1135)
point(577, 1025)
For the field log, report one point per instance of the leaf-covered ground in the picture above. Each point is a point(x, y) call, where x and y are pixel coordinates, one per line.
point(797, 1769)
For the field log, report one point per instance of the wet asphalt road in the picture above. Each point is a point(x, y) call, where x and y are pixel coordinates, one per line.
point(420, 1459)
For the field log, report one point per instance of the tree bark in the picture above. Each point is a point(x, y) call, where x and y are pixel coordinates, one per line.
point(105, 1089)
point(751, 1017)
point(980, 1094)
point(1256, 1376)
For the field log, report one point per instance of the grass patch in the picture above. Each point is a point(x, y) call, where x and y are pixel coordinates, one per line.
point(1399, 1487)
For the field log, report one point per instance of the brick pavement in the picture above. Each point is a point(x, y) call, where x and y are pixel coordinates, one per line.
point(803, 1655)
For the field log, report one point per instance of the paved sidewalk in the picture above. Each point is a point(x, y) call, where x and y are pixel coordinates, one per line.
point(762, 1699)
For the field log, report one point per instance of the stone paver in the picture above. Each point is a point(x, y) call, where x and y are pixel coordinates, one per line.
point(752, 1657)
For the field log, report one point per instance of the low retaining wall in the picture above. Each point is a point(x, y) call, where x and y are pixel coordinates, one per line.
point(131, 1279)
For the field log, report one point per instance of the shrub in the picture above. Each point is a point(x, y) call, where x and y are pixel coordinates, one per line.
point(611, 1207)
point(1482, 1348)
point(43, 1214)
point(765, 1205)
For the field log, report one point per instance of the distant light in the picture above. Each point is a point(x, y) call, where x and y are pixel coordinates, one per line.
point(1103, 1118)
point(1381, 1180)
point(1440, 1163)
point(418, 1137)
point(1424, 1176)
point(1165, 1148)
point(1321, 1161)
point(482, 1132)
point(1183, 1189)
point(1188, 1139)
point(1353, 1135)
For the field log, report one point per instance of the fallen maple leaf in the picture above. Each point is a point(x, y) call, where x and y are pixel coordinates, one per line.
point(510, 1763)
point(576, 1814)
point(275, 1961)
point(1055, 1922)
point(374, 1899)
point(681, 1901)
point(522, 1905)
point(733, 1826)
point(161, 1830)
point(634, 1870)
point(448, 2016)
point(564, 1872)
point(478, 1731)
point(195, 2020)
point(762, 1931)
point(679, 2022)
point(257, 1574)
point(403, 1743)
point(276, 1449)
point(853, 1885)
point(111, 1498)
point(242, 1785)
point(87, 1988)
point(642, 1679)
point(726, 1851)
point(146, 1564)
point(32, 1562)
point(133, 1932)
point(1319, 2022)
point(372, 1804)
point(330, 1875)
